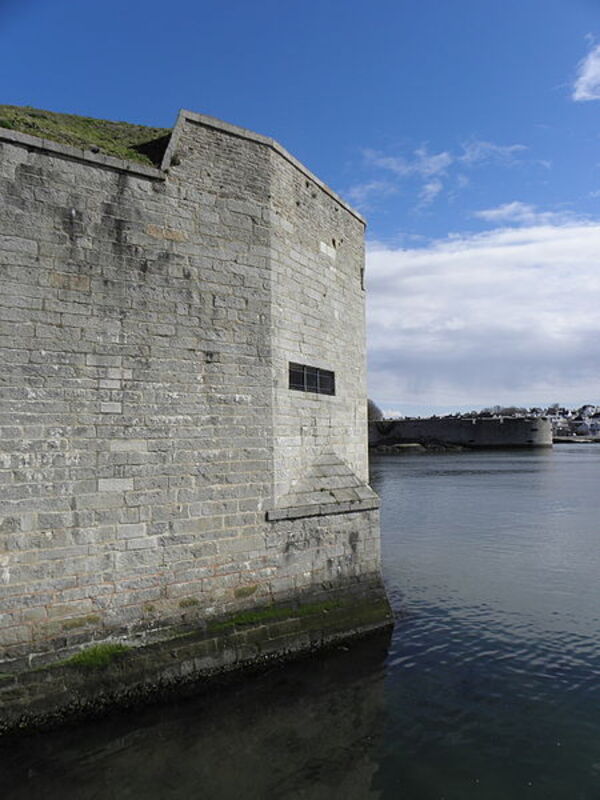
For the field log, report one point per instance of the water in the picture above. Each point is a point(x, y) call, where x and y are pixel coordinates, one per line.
point(492, 679)
point(489, 687)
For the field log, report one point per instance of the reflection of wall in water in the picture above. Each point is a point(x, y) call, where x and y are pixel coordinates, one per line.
point(313, 729)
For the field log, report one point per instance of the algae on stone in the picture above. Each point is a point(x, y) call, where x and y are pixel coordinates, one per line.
point(189, 602)
point(245, 591)
point(96, 657)
point(271, 613)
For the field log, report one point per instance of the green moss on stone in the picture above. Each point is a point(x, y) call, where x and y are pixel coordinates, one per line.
point(96, 657)
point(245, 591)
point(119, 139)
point(271, 613)
point(188, 602)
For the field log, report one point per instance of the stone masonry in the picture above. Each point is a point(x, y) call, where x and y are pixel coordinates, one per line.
point(155, 467)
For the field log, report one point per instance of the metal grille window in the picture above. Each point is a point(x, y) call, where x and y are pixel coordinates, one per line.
point(311, 379)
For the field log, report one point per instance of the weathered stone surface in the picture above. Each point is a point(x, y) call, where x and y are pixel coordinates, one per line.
point(152, 452)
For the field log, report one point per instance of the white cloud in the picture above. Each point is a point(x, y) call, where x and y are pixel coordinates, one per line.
point(429, 192)
point(421, 163)
point(477, 151)
point(508, 316)
point(428, 164)
point(425, 167)
point(361, 193)
point(523, 214)
point(587, 83)
point(431, 172)
point(395, 164)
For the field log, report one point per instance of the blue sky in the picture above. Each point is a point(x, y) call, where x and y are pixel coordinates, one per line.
point(466, 131)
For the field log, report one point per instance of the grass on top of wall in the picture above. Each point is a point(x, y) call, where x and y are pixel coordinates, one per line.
point(138, 143)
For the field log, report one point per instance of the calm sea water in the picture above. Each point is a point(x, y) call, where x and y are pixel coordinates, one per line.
point(489, 687)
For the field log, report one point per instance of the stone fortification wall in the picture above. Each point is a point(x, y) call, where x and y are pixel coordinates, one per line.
point(156, 469)
point(476, 432)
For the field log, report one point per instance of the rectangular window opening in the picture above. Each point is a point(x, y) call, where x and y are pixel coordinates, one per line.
point(311, 379)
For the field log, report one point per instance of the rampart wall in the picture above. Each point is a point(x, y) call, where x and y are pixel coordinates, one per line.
point(157, 471)
point(475, 432)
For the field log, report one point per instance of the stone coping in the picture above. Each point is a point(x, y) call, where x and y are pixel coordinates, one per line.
point(77, 154)
point(322, 509)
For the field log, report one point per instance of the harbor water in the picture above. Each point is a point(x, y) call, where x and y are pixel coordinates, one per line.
point(489, 686)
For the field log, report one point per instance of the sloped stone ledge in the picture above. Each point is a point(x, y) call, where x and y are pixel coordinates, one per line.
point(322, 509)
point(328, 486)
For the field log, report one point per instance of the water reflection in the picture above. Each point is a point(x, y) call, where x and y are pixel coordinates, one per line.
point(309, 730)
